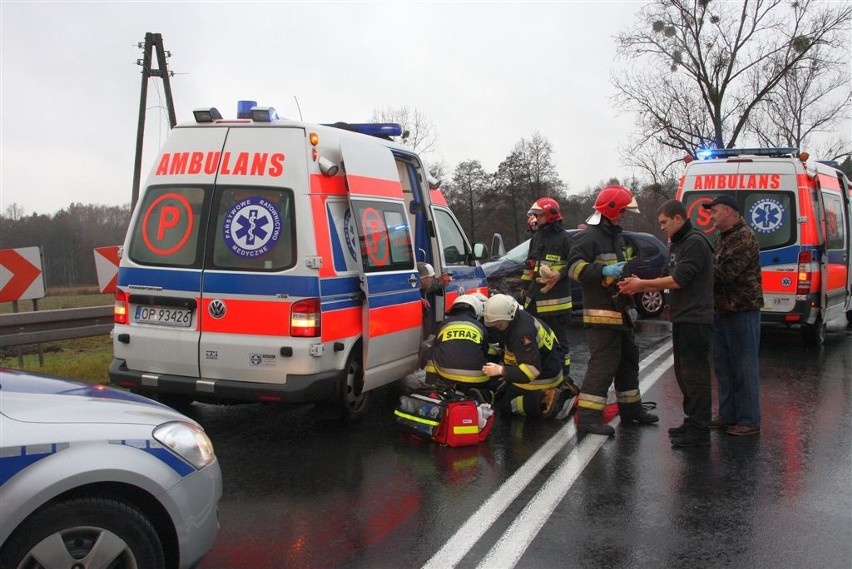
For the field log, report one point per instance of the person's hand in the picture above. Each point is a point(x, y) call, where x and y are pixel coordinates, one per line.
point(630, 285)
point(425, 304)
point(445, 279)
point(614, 270)
point(492, 370)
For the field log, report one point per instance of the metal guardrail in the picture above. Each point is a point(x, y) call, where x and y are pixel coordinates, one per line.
point(51, 325)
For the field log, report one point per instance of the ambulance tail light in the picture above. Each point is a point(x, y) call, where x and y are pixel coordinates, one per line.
point(305, 318)
point(120, 308)
point(803, 283)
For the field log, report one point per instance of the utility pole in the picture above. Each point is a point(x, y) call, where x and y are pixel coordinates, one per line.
point(152, 42)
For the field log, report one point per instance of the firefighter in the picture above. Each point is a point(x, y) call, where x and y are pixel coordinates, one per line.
point(531, 368)
point(460, 349)
point(547, 295)
point(597, 262)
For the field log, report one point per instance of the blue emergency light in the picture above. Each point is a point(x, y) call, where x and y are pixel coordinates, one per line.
point(244, 109)
point(378, 128)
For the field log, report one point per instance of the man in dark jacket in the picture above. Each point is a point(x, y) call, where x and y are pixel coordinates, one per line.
point(596, 262)
point(548, 292)
point(689, 277)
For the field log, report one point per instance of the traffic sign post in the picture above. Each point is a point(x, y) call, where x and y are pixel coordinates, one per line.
point(106, 265)
point(21, 275)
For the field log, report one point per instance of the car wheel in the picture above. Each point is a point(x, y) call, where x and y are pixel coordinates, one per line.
point(649, 303)
point(351, 401)
point(84, 532)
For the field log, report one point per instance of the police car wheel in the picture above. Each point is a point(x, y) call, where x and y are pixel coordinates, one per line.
point(649, 304)
point(110, 532)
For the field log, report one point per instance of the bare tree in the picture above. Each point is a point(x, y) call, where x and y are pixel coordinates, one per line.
point(418, 132)
point(710, 64)
point(13, 212)
point(470, 183)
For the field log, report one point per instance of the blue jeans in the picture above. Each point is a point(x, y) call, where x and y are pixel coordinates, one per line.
point(736, 342)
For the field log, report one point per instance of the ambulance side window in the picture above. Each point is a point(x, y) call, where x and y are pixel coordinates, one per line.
point(384, 236)
point(835, 231)
point(254, 229)
point(167, 227)
point(453, 243)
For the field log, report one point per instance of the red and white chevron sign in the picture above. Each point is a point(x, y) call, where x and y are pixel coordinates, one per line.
point(21, 276)
point(106, 265)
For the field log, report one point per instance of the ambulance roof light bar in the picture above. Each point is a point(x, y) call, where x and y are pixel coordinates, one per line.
point(379, 129)
point(206, 115)
point(707, 153)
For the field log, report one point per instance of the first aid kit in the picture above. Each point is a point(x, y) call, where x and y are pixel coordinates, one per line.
point(449, 419)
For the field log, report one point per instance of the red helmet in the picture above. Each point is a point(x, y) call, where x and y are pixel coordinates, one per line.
point(547, 206)
point(611, 201)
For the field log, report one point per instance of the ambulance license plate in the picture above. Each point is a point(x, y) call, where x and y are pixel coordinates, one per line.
point(161, 316)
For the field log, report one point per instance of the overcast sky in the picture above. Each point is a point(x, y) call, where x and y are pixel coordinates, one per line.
point(485, 73)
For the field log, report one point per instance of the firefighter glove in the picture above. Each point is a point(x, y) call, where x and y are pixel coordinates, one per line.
point(614, 270)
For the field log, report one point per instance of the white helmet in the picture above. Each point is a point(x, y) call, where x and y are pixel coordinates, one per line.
point(469, 300)
point(500, 307)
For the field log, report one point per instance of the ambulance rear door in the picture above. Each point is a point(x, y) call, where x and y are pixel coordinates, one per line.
point(392, 316)
point(833, 220)
point(252, 279)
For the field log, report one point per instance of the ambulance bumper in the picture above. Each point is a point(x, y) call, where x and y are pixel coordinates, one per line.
point(298, 389)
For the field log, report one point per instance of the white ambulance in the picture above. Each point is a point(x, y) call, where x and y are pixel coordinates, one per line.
point(800, 211)
point(275, 260)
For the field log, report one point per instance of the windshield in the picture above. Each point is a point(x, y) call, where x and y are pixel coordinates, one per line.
point(518, 253)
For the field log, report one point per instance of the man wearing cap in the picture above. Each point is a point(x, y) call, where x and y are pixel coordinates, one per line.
point(596, 262)
point(738, 298)
point(548, 289)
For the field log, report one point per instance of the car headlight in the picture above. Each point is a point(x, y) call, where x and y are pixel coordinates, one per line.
point(188, 441)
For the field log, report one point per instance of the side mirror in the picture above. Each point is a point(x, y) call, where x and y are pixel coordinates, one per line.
point(480, 251)
point(497, 247)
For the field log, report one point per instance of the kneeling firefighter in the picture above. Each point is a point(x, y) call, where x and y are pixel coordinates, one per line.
point(460, 348)
point(531, 369)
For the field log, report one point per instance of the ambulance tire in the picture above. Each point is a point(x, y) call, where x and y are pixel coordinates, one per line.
point(180, 403)
point(814, 334)
point(350, 402)
point(849, 317)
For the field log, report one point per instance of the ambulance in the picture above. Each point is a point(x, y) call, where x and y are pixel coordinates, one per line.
point(274, 260)
point(800, 211)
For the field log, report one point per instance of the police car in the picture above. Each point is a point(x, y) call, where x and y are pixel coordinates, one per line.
point(91, 476)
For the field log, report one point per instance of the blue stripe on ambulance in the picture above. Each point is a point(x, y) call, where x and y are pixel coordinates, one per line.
point(168, 279)
point(261, 284)
point(394, 298)
point(785, 255)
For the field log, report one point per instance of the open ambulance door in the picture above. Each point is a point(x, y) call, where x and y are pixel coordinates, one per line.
point(392, 316)
point(834, 225)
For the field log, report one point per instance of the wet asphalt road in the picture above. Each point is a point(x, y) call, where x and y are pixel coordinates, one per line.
point(302, 493)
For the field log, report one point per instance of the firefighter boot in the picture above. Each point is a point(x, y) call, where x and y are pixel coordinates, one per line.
point(635, 413)
point(591, 421)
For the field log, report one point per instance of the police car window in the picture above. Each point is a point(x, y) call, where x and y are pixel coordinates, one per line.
point(253, 229)
point(453, 244)
point(772, 216)
point(383, 235)
point(168, 225)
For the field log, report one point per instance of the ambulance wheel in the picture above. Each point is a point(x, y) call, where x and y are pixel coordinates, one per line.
point(649, 304)
point(849, 317)
point(180, 403)
point(350, 401)
point(814, 334)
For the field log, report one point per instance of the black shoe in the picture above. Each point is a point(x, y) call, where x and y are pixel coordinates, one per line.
point(640, 417)
point(691, 439)
point(679, 430)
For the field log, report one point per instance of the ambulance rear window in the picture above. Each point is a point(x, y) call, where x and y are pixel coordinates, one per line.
point(253, 229)
point(168, 226)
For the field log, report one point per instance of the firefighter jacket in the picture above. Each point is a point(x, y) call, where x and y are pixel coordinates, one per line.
point(460, 349)
point(549, 247)
point(593, 249)
point(532, 357)
point(737, 281)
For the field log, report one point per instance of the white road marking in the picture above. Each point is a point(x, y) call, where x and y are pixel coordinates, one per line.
point(471, 531)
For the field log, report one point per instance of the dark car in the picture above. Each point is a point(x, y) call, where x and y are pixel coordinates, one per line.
point(504, 273)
